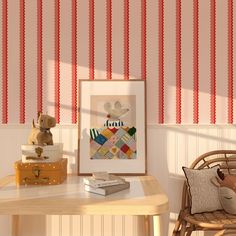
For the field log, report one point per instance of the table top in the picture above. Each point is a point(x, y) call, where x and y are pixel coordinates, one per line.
point(145, 197)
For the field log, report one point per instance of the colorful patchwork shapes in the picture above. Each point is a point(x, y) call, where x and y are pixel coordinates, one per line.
point(125, 138)
point(120, 132)
point(107, 133)
point(108, 144)
point(103, 150)
point(109, 155)
point(114, 150)
point(94, 146)
point(119, 143)
point(113, 139)
point(113, 130)
point(127, 151)
point(132, 144)
point(97, 155)
point(113, 143)
point(124, 148)
point(100, 139)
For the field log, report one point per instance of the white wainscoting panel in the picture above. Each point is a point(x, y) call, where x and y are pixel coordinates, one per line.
point(172, 146)
point(169, 148)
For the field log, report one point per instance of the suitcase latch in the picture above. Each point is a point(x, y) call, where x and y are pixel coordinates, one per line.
point(36, 171)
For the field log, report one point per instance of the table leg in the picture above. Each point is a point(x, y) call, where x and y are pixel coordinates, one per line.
point(147, 225)
point(15, 225)
point(157, 226)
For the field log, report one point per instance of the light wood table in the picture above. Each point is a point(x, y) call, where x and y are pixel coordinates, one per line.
point(145, 197)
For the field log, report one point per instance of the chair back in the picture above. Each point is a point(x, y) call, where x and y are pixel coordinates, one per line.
point(226, 159)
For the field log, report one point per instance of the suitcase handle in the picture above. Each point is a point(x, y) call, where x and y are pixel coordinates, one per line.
point(36, 180)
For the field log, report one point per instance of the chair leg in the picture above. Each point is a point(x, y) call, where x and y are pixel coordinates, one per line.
point(15, 225)
point(178, 223)
point(220, 233)
point(183, 229)
point(177, 228)
point(175, 233)
point(189, 232)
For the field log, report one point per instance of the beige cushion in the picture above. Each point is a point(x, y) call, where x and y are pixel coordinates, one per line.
point(204, 195)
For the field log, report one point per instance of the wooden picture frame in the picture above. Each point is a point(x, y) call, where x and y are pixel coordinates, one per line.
point(112, 127)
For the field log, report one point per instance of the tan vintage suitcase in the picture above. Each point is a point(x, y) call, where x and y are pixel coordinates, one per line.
point(41, 173)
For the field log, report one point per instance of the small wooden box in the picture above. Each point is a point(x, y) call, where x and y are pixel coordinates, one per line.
point(41, 173)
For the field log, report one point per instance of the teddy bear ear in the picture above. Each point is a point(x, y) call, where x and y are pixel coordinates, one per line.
point(220, 174)
point(39, 113)
point(216, 181)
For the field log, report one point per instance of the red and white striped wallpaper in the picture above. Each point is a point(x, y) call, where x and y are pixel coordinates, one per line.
point(184, 49)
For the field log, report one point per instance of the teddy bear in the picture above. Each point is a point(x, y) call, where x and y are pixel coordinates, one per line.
point(42, 135)
point(227, 191)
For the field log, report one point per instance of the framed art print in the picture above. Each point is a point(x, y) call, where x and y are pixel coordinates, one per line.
point(112, 127)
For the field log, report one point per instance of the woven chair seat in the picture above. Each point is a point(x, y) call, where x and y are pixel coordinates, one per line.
point(212, 220)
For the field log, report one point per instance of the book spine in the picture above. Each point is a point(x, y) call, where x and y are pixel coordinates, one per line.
point(102, 184)
point(98, 185)
point(108, 189)
point(107, 184)
point(91, 189)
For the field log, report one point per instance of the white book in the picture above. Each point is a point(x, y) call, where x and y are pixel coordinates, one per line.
point(96, 183)
point(107, 189)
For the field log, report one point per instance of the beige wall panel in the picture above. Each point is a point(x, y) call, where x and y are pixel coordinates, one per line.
point(117, 40)
point(170, 61)
point(135, 39)
point(13, 61)
point(152, 61)
point(204, 61)
point(65, 65)
point(83, 39)
point(100, 39)
point(30, 60)
point(221, 61)
point(187, 61)
point(48, 56)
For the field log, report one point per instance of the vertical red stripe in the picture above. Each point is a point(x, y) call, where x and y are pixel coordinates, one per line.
point(143, 39)
point(109, 38)
point(91, 39)
point(161, 61)
point(126, 39)
point(39, 56)
point(4, 62)
point(57, 60)
point(195, 62)
point(74, 61)
point(178, 61)
point(230, 62)
point(22, 61)
point(213, 60)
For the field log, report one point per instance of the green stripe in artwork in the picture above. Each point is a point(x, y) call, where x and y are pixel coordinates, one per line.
point(93, 133)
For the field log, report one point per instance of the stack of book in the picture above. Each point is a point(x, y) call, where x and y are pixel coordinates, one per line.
point(105, 184)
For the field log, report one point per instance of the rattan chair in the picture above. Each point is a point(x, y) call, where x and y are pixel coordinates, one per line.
point(220, 221)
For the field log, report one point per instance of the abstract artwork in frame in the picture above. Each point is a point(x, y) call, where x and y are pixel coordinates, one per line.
point(112, 127)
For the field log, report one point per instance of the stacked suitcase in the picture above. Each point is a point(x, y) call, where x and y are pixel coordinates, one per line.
point(41, 165)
